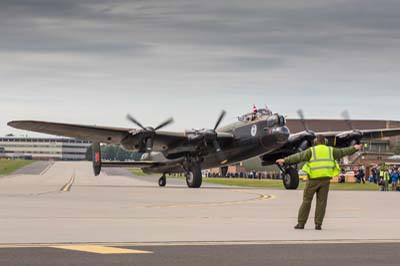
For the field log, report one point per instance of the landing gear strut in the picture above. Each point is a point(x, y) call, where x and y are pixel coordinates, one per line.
point(162, 181)
point(290, 177)
point(193, 176)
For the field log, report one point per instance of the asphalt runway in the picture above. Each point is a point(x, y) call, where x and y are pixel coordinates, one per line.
point(222, 255)
point(65, 203)
point(36, 168)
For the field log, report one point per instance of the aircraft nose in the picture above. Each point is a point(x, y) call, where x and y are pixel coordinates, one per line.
point(281, 134)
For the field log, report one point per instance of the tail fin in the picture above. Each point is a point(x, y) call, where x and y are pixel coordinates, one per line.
point(96, 158)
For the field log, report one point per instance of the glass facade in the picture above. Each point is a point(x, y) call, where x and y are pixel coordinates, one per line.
point(43, 148)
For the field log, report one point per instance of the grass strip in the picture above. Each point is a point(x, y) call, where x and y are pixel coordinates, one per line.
point(10, 166)
point(277, 184)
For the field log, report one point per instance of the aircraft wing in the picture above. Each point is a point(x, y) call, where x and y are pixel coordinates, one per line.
point(368, 133)
point(342, 138)
point(302, 140)
point(110, 135)
point(163, 140)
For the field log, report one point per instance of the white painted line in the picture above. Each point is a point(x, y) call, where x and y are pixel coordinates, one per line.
point(47, 168)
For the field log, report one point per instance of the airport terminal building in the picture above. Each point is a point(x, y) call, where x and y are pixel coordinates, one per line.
point(43, 148)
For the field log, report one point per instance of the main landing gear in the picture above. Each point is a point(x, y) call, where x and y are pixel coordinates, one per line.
point(290, 177)
point(162, 181)
point(193, 176)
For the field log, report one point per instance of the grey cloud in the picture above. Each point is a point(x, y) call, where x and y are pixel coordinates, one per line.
point(223, 52)
point(252, 63)
point(286, 29)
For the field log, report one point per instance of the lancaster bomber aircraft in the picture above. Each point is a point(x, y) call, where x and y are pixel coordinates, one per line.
point(259, 133)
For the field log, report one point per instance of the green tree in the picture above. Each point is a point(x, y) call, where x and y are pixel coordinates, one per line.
point(114, 153)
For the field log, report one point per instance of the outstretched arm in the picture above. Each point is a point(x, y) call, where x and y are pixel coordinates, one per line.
point(306, 155)
point(296, 158)
point(340, 153)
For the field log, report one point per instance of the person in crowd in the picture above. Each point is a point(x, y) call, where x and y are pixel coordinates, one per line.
point(384, 175)
point(377, 175)
point(355, 172)
point(361, 174)
point(373, 174)
point(395, 179)
point(342, 177)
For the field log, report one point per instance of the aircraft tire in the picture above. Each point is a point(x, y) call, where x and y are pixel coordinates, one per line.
point(290, 178)
point(194, 177)
point(162, 181)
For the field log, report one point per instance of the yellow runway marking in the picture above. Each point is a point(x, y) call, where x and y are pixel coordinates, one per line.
point(261, 197)
point(67, 187)
point(101, 249)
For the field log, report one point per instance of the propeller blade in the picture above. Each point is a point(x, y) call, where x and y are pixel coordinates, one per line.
point(216, 146)
point(149, 145)
point(165, 123)
point(346, 117)
point(219, 153)
point(133, 120)
point(221, 116)
point(302, 119)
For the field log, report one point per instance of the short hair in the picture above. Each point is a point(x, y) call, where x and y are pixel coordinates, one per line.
point(320, 139)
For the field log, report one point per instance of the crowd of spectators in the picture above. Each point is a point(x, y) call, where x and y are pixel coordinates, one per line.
point(386, 177)
point(249, 175)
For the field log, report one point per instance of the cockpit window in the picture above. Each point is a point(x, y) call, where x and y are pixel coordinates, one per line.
point(256, 115)
point(272, 121)
point(282, 120)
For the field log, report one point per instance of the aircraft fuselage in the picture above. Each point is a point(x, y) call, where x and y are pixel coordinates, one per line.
point(251, 139)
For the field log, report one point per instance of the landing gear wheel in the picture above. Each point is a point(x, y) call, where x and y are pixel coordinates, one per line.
point(162, 181)
point(290, 178)
point(194, 177)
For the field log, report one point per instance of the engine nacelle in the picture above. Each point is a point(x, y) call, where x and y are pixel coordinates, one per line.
point(348, 139)
point(304, 145)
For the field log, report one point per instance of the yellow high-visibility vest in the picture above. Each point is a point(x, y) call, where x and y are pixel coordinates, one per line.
point(386, 176)
point(322, 163)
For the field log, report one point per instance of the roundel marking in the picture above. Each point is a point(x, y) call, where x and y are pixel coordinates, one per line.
point(253, 130)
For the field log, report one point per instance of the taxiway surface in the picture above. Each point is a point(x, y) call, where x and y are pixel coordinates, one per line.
point(64, 212)
point(66, 203)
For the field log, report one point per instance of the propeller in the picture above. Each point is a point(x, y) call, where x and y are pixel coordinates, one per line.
point(150, 131)
point(347, 120)
point(216, 145)
point(307, 142)
point(349, 123)
point(303, 120)
point(221, 116)
point(211, 135)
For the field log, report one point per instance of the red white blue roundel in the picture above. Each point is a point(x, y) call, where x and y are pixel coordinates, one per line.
point(253, 130)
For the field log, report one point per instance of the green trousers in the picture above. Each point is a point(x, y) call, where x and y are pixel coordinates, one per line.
point(321, 188)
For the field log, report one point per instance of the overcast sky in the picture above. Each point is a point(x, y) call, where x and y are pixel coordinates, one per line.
point(91, 62)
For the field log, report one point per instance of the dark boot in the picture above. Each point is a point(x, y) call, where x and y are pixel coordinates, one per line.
point(318, 227)
point(299, 226)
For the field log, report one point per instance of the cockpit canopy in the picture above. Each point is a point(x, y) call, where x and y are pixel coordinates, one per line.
point(258, 114)
point(276, 120)
point(264, 114)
